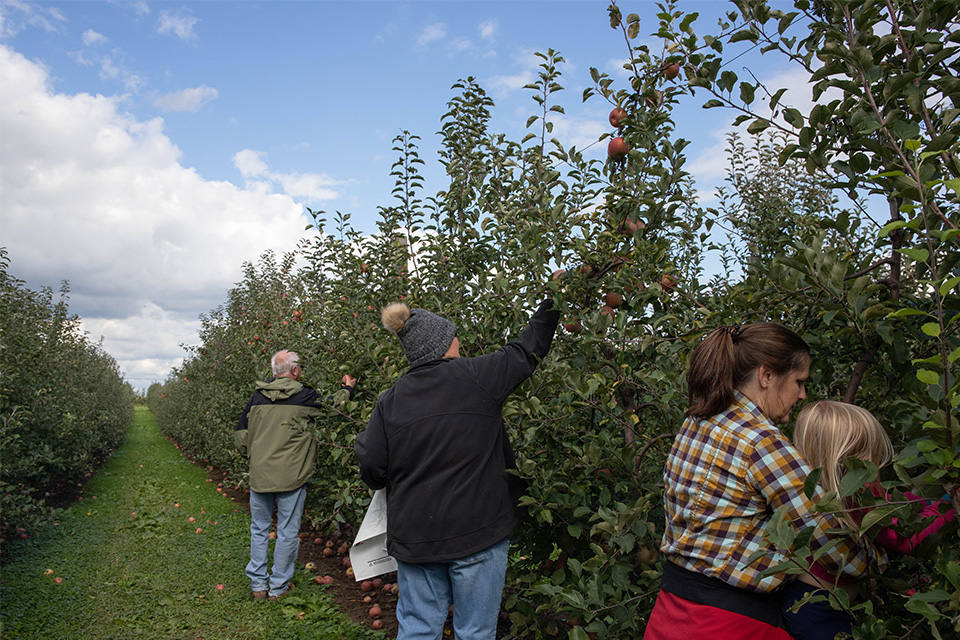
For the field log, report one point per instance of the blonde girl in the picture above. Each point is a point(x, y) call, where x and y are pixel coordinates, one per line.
point(826, 434)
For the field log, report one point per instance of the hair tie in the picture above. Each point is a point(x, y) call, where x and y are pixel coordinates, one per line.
point(733, 332)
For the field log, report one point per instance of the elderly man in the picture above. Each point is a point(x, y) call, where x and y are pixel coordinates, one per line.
point(282, 459)
point(436, 441)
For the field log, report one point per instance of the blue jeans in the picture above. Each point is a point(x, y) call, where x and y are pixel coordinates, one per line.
point(289, 511)
point(473, 585)
point(814, 620)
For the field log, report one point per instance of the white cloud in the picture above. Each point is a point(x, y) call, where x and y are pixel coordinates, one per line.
point(458, 45)
point(15, 15)
point(179, 24)
point(309, 186)
point(250, 163)
point(583, 133)
point(488, 29)
point(187, 99)
point(431, 33)
point(529, 65)
point(112, 70)
point(94, 196)
point(91, 37)
point(142, 8)
point(140, 364)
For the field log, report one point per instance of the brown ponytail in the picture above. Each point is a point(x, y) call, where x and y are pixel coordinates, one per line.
point(728, 355)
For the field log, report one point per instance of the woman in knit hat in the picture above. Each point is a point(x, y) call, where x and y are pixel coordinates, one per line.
point(436, 441)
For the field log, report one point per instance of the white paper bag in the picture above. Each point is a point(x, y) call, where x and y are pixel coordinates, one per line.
point(368, 555)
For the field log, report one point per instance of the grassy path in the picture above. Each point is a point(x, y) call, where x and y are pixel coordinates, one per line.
point(152, 551)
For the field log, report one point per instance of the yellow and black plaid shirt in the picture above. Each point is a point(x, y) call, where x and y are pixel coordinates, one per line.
point(725, 476)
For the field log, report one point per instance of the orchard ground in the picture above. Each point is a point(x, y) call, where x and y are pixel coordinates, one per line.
point(347, 592)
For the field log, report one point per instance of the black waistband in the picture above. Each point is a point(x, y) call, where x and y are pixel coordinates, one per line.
point(714, 592)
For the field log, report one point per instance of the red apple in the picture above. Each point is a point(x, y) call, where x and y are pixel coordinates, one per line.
point(670, 70)
point(573, 326)
point(667, 282)
point(377, 624)
point(387, 587)
point(628, 227)
point(617, 148)
point(375, 611)
point(377, 583)
point(366, 585)
point(655, 100)
point(616, 117)
point(327, 552)
point(613, 299)
point(606, 311)
point(318, 541)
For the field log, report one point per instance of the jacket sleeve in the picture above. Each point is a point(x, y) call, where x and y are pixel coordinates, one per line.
point(504, 370)
point(241, 432)
point(371, 450)
point(893, 540)
point(339, 398)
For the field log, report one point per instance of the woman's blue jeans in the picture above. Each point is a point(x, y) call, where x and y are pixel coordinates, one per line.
point(289, 511)
point(473, 585)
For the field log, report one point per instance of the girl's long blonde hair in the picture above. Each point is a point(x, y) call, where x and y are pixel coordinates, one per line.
point(828, 432)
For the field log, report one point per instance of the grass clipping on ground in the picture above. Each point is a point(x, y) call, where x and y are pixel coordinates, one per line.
point(152, 550)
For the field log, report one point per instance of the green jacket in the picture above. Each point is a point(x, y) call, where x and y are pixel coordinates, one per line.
point(282, 457)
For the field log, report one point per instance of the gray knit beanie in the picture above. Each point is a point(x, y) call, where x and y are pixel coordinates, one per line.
point(424, 336)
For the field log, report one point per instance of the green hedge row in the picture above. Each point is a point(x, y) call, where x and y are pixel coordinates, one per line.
point(64, 407)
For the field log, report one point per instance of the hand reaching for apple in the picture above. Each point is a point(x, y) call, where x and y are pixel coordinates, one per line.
point(349, 380)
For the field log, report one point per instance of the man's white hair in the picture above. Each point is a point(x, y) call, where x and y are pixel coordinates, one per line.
point(283, 362)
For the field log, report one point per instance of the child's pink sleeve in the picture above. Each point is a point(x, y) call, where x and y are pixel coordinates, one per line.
point(892, 540)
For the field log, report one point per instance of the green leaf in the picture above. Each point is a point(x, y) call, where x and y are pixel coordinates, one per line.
point(856, 478)
point(954, 355)
point(948, 285)
point(577, 633)
point(757, 126)
point(793, 117)
point(928, 377)
point(810, 484)
point(887, 228)
point(920, 255)
point(932, 329)
point(912, 145)
point(878, 514)
point(901, 313)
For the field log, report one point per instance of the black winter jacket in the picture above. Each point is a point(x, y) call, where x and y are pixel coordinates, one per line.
point(436, 441)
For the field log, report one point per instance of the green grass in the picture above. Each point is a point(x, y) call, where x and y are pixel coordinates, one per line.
point(132, 565)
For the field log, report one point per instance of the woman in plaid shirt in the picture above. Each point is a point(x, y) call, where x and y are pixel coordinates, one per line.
point(729, 470)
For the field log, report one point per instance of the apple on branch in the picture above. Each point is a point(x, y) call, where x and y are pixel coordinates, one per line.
point(617, 148)
point(616, 117)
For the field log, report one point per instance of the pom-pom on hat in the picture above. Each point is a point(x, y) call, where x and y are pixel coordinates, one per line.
point(424, 336)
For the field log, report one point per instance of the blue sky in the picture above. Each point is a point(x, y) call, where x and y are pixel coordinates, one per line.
point(148, 148)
